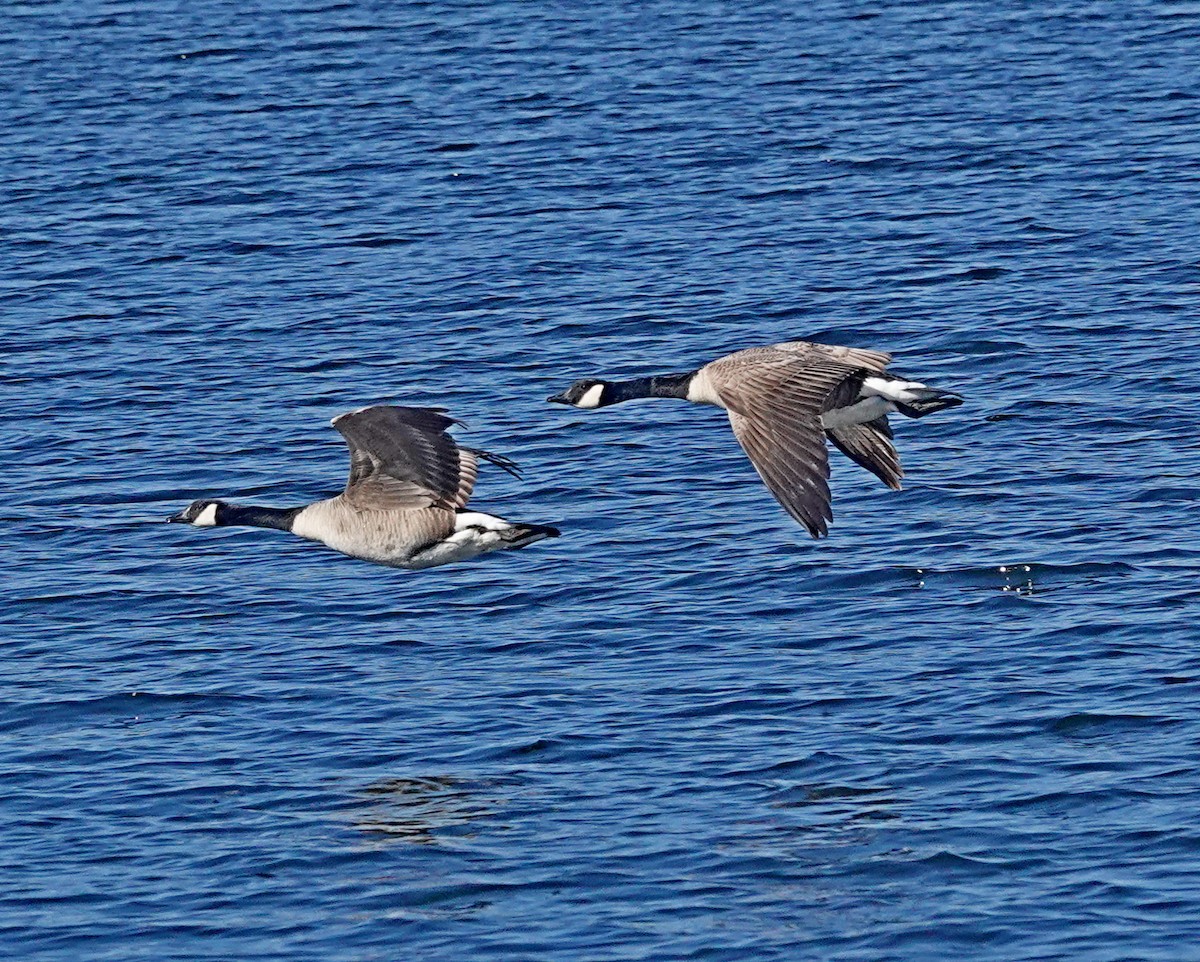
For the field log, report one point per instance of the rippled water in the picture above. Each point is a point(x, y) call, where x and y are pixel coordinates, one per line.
point(964, 726)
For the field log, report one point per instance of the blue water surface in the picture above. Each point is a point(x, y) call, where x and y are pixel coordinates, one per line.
point(963, 727)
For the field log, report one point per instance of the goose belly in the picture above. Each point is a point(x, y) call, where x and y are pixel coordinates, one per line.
point(458, 547)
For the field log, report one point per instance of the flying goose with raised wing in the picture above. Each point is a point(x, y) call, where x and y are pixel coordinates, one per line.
point(405, 502)
point(783, 402)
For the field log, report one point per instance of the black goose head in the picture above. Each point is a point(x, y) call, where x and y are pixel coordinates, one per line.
point(203, 513)
point(588, 393)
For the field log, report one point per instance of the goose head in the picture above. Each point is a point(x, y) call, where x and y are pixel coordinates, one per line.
point(588, 393)
point(202, 513)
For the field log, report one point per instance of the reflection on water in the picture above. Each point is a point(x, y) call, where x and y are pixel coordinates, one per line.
point(419, 809)
point(837, 806)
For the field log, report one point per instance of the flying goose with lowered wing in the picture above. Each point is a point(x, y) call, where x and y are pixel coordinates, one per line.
point(784, 401)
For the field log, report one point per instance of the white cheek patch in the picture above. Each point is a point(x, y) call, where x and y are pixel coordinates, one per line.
point(206, 518)
point(591, 397)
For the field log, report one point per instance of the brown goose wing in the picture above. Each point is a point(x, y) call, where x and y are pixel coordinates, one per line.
point(793, 464)
point(402, 458)
point(775, 398)
point(870, 446)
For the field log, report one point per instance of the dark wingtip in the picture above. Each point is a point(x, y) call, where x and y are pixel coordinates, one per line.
point(499, 460)
point(817, 527)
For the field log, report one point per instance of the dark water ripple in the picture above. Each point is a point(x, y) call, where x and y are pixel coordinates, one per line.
point(961, 727)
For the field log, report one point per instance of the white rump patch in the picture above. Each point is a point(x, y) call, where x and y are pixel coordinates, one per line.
point(477, 519)
point(892, 389)
point(591, 397)
point(206, 518)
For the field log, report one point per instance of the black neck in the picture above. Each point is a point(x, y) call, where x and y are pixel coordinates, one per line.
point(251, 515)
point(661, 385)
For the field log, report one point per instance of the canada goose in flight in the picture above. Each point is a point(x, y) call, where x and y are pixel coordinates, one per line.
point(404, 502)
point(783, 401)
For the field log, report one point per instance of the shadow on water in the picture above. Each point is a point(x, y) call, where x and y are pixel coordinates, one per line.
point(420, 810)
point(831, 806)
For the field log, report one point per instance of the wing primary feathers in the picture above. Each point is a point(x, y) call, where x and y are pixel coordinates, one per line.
point(499, 460)
point(870, 446)
point(401, 458)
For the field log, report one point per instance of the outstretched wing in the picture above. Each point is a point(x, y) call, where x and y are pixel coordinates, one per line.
point(775, 397)
point(402, 458)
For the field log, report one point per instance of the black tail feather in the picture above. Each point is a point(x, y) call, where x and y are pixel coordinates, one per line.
point(519, 535)
point(929, 401)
